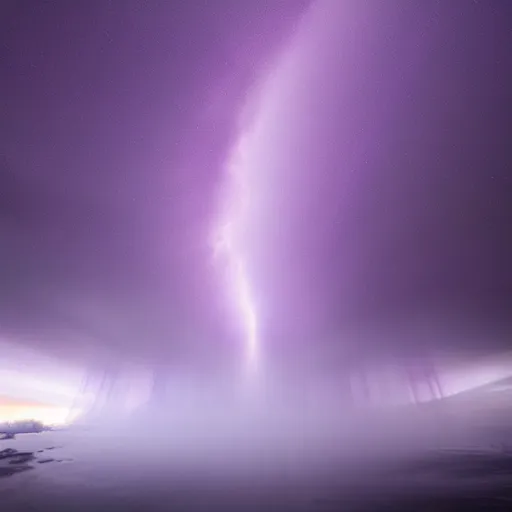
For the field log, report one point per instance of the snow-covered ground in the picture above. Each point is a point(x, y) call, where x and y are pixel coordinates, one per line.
point(211, 449)
point(260, 459)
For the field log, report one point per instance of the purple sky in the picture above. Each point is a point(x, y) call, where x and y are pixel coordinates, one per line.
point(376, 156)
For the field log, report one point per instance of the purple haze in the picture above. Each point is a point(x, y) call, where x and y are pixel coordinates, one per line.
point(300, 185)
point(312, 194)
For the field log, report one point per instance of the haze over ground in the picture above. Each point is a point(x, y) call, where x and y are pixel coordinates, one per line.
point(371, 140)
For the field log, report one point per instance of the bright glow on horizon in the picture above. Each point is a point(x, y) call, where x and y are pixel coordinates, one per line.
point(36, 387)
point(12, 411)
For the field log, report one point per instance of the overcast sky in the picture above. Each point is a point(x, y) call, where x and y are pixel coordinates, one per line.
point(380, 162)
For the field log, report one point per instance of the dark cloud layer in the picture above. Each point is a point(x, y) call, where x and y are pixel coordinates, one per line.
point(116, 121)
point(116, 118)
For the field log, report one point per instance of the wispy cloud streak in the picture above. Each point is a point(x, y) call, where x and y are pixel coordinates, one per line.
point(230, 231)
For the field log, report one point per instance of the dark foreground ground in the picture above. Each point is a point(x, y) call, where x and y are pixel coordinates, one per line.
point(441, 481)
point(468, 469)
